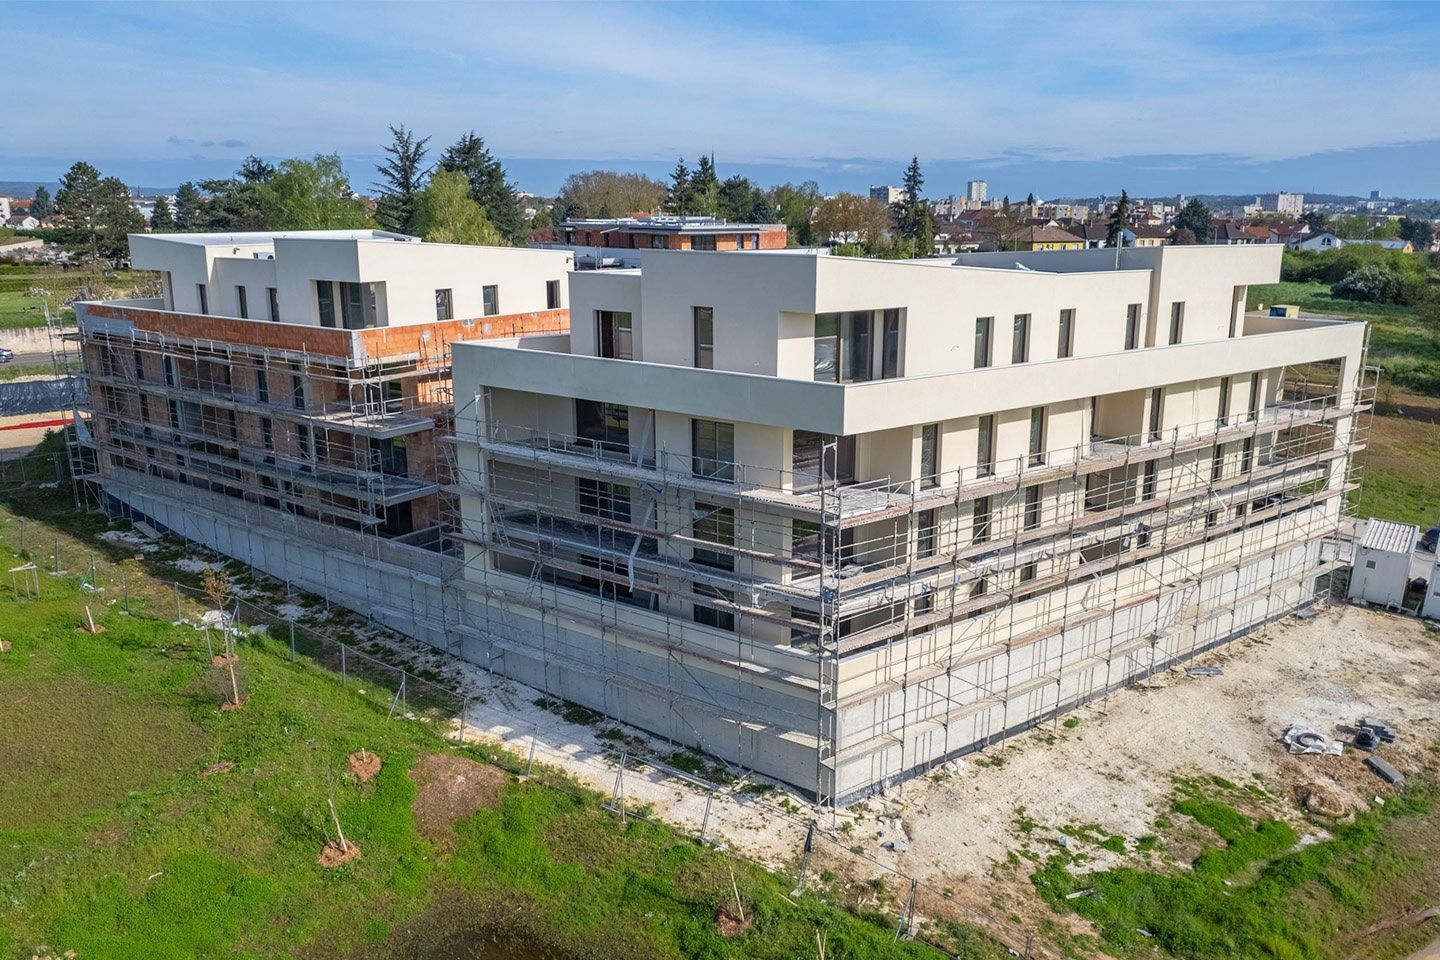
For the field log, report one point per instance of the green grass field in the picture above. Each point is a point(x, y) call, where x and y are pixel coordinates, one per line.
point(19, 309)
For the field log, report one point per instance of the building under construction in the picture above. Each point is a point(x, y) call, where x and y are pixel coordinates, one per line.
point(833, 520)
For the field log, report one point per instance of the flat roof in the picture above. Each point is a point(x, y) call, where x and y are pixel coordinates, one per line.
point(667, 225)
point(260, 237)
point(1389, 536)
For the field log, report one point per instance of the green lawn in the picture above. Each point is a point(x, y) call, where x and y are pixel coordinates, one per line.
point(1401, 479)
point(113, 842)
point(19, 309)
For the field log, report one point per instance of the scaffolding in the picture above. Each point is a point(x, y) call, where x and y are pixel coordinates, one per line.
point(892, 625)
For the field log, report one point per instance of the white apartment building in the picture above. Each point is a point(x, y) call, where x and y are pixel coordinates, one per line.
point(977, 191)
point(838, 520)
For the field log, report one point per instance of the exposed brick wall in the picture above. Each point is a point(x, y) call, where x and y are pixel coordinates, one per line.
point(409, 340)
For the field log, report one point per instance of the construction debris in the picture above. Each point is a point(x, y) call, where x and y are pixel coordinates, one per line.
point(1381, 728)
point(1302, 739)
point(1204, 672)
point(1384, 770)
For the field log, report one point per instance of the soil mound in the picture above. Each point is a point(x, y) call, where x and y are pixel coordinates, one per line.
point(333, 855)
point(451, 788)
point(223, 767)
point(729, 925)
point(363, 765)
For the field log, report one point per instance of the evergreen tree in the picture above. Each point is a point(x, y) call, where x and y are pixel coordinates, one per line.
point(402, 176)
point(1119, 220)
point(188, 203)
point(488, 186)
point(913, 220)
point(161, 219)
point(42, 205)
point(237, 204)
point(78, 202)
point(1030, 199)
point(705, 188)
point(117, 218)
point(677, 199)
point(1195, 217)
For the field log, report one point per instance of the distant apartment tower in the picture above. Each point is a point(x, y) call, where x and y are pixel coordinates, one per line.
point(977, 191)
point(1288, 204)
point(887, 195)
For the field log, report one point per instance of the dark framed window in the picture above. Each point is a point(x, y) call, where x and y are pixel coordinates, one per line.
point(1066, 346)
point(930, 455)
point(715, 525)
point(1033, 500)
point(1132, 326)
point(1148, 484)
point(1037, 436)
point(1217, 462)
point(1157, 404)
point(1177, 321)
point(704, 241)
point(1020, 339)
point(297, 391)
point(704, 323)
point(262, 386)
point(267, 433)
point(616, 334)
point(1222, 414)
point(890, 345)
point(552, 294)
point(325, 301)
point(845, 347)
point(659, 241)
point(1247, 455)
point(490, 297)
point(599, 498)
point(984, 329)
point(273, 296)
point(712, 446)
point(139, 366)
point(859, 347)
point(243, 302)
point(1252, 408)
point(980, 520)
point(709, 616)
point(204, 298)
point(1029, 572)
point(445, 304)
point(985, 446)
point(926, 533)
point(357, 305)
point(827, 347)
point(605, 424)
point(810, 462)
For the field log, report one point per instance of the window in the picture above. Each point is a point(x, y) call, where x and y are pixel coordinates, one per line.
point(980, 521)
point(1132, 327)
point(1252, 408)
point(713, 525)
point(704, 337)
point(1157, 400)
point(267, 434)
point(1037, 436)
point(890, 345)
point(273, 297)
point(297, 391)
point(1247, 455)
point(925, 602)
point(659, 242)
point(985, 446)
point(1217, 462)
point(927, 526)
point(930, 455)
point(1177, 321)
point(1066, 347)
point(616, 334)
point(712, 449)
point(844, 345)
point(827, 347)
point(552, 294)
point(1029, 572)
point(858, 352)
point(605, 424)
point(139, 366)
point(1222, 415)
point(490, 295)
point(204, 298)
point(243, 302)
point(444, 304)
point(145, 409)
point(598, 498)
point(1236, 300)
point(304, 444)
point(262, 386)
point(393, 456)
point(357, 305)
point(172, 370)
point(1148, 483)
point(703, 242)
point(1032, 506)
point(983, 329)
point(1020, 339)
point(810, 461)
point(325, 301)
point(709, 616)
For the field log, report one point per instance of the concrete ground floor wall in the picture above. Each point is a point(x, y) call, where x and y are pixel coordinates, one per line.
point(764, 720)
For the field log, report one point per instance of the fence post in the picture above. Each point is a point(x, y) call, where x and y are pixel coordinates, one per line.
point(57, 556)
point(22, 537)
point(705, 822)
point(125, 585)
point(460, 723)
point(292, 641)
point(178, 616)
point(343, 675)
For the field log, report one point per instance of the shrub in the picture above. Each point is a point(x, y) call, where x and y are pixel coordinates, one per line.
point(1372, 284)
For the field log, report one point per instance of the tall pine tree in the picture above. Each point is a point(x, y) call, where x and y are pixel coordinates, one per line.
point(188, 202)
point(161, 219)
point(913, 220)
point(488, 186)
point(42, 205)
point(705, 188)
point(1119, 220)
point(402, 176)
point(678, 197)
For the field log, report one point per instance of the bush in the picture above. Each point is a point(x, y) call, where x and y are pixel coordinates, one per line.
point(1372, 284)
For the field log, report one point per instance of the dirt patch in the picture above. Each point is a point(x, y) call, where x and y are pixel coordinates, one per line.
point(451, 788)
point(223, 767)
point(224, 659)
point(363, 765)
point(4, 646)
point(1320, 798)
point(229, 705)
point(729, 925)
point(333, 855)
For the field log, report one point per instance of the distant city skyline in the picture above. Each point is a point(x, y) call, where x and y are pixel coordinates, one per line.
point(1062, 100)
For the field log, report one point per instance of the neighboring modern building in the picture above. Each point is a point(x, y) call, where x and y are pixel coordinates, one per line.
point(977, 191)
point(283, 398)
point(887, 195)
point(605, 235)
point(1287, 204)
point(839, 520)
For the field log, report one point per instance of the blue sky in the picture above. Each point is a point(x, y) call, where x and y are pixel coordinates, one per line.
point(1062, 99)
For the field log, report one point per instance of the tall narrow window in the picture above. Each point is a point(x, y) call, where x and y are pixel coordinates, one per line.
point(616, 334)
point(1148, 484)
point(242, 302)
point(1177, 321)
point(273, 296)
point(984, 326)
point(1032, 506)
point(827, 347)
point(1222, 415)
point(267, 434)
point(859, 347)
point(490, 295)
point(712, 446)
point(204, 298)
point(716, 525)
point(1252, 408)
point(297, 391)
point(1237, 299)
point(985, 446)
point(930, 455)
point(262, 386)
point(1247, 455)
point(1132, 327)
point(357, 305)
point(704, 337)
point(980, 521)
point(1037, 436)
point(445, 304)
point(811, 463)
point(890, 345)
point(1217, 462)
point(552, 294)
point(1157, 400)
point(139, 366)
point(1029, 572)
point(325, 302)
point(1066, 347)
point(1020, 339)
point(927, 525)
